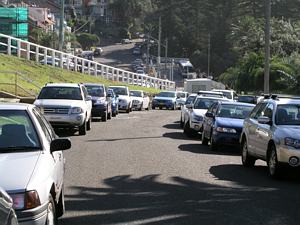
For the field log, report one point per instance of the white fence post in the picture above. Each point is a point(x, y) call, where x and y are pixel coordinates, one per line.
point(9, 46)
point(89, 67)
point(95, 69)
point(53, 58)
point(123, 76)
point(75, 64)
point(19, 48)
point(106, 73)
point(102, 70)
point(45, 56)
point(28, 51)
point(37, 54)
point(61, 63)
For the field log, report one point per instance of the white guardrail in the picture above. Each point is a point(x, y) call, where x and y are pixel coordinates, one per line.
point(44, 55)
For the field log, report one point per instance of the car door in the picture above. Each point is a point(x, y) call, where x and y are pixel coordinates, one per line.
point(146, 101)
point(252, 125)
point(88, 102)
point(57, 156)
point(263, 131)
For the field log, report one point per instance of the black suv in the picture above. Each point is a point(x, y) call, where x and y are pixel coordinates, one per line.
point(101, 101)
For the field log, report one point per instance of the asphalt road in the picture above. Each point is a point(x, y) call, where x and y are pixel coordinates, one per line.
point(141, 169)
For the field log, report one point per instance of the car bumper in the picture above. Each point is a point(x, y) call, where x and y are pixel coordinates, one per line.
point(66, 120)
point(36, 216)
point(285, 153)
point(124, 105)
point(163, 104)
point(226, 139)
point(136, 105)
point(98, 110)
point(196, 125)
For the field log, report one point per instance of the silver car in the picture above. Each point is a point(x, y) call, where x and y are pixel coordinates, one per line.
point(32, 164)
point(271, 133)
point(7, 213)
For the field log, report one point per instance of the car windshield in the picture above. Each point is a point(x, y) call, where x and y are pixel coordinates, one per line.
point(95, 91)
point(288, 115)
point(136, 93)
point(190, 99)
point(247, 99)
point(234, 111)
point(17, 132)
point(120, 90)
point(204, 103)
point(181, 95)
point(70, 93)
point(167, 94)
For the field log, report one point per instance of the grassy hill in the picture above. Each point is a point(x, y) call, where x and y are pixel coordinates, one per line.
point(37, 75)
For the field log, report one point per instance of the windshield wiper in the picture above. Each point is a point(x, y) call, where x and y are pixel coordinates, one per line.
point(18, 148)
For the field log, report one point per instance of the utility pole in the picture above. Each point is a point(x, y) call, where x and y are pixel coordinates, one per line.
point(159, 47)
point(148, 52)
point(208, 55)
point(166, 53)
point(61, 25)
point(267, 47)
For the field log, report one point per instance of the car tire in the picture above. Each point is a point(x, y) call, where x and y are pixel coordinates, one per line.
point(247, 160)
point(89, 124)
point(160, 107)
point(51, 218)
point(188, 131)
point(213, 145)
point(114, 114)
point(204, 139)
point(104, 117)
point(274, 168)
point(128, 110)
point(60, 209)
point(153, 107)
point(174, 107)
point(140, 109)
point(82, 129)
point(181, 122)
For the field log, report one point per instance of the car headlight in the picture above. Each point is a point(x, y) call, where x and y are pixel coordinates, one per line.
point(197, 118)
point(76, 110)
point(27, 200)
point(292, 142)
point(226, 130)
point(100, 102)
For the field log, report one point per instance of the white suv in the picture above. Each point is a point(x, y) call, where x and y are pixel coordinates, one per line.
point(125, 101)
point(271, 133)
point(66, 105)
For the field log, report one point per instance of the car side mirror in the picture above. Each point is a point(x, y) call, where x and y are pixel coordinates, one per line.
point(189, 106)
point(209, 115)
point(264, 120)
point(89, 98)
point(60, 144)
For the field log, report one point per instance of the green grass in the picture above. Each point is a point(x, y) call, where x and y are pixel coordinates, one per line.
point(41, 74)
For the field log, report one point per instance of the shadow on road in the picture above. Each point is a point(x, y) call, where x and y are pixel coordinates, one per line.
point(145, 200)
point(66, 132)
point(123, 139)
point(174, 126)
point(177, 136)
point(201, 149)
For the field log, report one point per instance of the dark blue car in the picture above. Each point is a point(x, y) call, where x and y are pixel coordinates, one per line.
point(223, 123)
point(114, 102)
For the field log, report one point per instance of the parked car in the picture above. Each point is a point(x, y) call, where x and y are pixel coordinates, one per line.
point(101, 101)
point(125, 101)
point(184, 109)
point(114, 102)
point(7, 212)
point(193, 118)
point(230, 94)
point(66, 105)
point(271, 133)
point(136, 51)
point(181, 97)
point(247, 99)
point(32, 164)
point(140, 100)
point(126, 41)
point(223, 123)
point(98, 51)
point(165, 99)
point(217, 94)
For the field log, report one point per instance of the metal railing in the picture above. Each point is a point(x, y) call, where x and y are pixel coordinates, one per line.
point(55, 58)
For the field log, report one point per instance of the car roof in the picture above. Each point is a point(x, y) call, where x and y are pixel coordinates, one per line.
point(210, 97)
point(137, 90)
point(118, 86)
point(223, 90)
point(62, 85)
point(15, 106)
point(237, 103)
point(93, 84)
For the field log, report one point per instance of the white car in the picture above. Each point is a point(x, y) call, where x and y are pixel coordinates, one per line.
point(184, 109)
point(230, 94)
point(32, 164)
point(193, 118)
point(181, 97)
point(66, 105)
point(125, 101)
point(140, 100)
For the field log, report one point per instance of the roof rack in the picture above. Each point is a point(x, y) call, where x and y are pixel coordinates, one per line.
point(278, 96)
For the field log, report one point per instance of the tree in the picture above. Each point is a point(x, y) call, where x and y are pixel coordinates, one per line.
point(87, 40)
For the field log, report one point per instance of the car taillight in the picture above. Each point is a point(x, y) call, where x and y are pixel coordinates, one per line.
point(27, 200)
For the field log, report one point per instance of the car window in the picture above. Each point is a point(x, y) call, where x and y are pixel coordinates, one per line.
point(190, 99)
point(85, 93)
point(203, 103)
point(210, 109)
point(136, 93)
point(234, 111)
point(70, 93)
point(260, 111)
point(268, 112)
point(288, 114)
point(259, 106)
point(17, 131)
point(120, 90)
point(96, 91)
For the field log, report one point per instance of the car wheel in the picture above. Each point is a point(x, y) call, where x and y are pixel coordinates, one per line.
point(247, 160)
point(153, 107)
point(114, 114)
point(188, 131)
point(82, 129)
point(51, 213)
point(174, 107)
point(273, 165)
point(140, 109)
point(181, 122)
point(104, 117)
point(89, 124)
point(160, 107)
point(213, 145)
point(61, 204)
point(204, 139)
